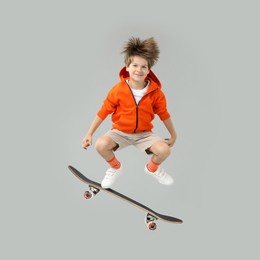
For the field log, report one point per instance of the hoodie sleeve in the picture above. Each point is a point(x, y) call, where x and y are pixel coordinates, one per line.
point(160, 107)
point(109, 104)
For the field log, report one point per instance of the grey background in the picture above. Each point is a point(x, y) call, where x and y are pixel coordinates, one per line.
point(59, 59)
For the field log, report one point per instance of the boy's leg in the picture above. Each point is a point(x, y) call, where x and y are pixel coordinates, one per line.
point(160, 151)
point(155, 145)
point(110, 142)
point(105, 146)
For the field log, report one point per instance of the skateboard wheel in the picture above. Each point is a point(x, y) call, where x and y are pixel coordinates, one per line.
point(88, 195)
point(152, 226)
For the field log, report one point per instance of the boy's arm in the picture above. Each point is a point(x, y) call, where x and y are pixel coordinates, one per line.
point(87, 140)
point(169, 125)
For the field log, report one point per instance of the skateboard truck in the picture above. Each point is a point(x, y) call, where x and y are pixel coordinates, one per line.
point(91, 192)
point(150, 220)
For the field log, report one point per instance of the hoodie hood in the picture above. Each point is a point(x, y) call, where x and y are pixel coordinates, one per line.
point(124, 75)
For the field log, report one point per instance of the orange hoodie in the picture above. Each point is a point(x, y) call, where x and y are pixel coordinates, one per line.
point(129, 117)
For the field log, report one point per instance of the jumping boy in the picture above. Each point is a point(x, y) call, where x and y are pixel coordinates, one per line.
point(133, 102)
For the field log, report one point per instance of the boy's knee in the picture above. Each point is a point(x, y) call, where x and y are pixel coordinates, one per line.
point(166, 151)
point(162, 149)
point(103, 143)
point(100, 144)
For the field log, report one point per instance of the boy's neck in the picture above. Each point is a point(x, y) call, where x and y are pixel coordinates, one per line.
point(137, 85)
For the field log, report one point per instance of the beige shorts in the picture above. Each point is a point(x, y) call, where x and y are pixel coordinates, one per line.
point(142, 141)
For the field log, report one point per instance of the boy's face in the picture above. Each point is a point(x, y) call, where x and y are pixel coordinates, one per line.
point(138, 69)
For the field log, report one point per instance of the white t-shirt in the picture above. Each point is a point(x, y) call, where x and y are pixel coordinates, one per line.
point(139, 93)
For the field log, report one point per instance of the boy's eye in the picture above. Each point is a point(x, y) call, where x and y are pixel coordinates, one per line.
point(144, 67)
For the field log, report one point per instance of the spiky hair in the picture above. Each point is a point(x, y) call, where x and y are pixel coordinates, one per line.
point(147, 49)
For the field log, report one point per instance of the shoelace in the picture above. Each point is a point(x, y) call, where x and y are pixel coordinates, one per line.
point(110, 173)
point(160, 174)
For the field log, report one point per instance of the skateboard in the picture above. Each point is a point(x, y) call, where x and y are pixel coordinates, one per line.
point(95, 187)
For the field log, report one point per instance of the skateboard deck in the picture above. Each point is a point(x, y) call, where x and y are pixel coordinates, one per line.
point(151, 217)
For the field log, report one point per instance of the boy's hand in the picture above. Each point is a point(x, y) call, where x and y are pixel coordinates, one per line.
point(86, 142)
point(170, 141)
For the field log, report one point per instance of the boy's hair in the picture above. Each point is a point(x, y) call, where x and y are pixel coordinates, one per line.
point(147, 49)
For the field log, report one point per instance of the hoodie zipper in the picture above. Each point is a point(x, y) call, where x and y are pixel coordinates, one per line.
point(136, 106)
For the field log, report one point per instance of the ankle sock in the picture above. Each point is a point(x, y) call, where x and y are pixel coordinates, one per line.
point(152, 166)
point(114, 163)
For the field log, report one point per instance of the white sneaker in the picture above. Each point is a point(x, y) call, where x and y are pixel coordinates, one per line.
point(160, 175)
point(110, 177)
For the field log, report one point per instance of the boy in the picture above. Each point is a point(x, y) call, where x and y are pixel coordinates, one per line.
point(133, 102)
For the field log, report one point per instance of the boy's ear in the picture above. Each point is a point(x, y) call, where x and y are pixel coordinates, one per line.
point(127, 68)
